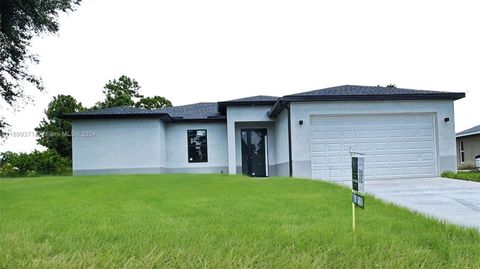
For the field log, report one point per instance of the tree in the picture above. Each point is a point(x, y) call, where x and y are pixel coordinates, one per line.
point(20, 21)
point(153, 102)
point(54, 132)
point(126, 92)
point(121, 92)
point(391, 85)
point(3, 127)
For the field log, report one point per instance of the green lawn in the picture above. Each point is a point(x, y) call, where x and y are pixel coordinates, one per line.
point(470, 176)
point(215, 221)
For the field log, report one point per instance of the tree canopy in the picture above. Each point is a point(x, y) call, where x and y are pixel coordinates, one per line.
point(20, 21)
point(125, 91)
point(153, 102)
point(54, 132)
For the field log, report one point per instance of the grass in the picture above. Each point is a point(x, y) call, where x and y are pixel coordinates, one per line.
point(215, 221)
point(470, 176)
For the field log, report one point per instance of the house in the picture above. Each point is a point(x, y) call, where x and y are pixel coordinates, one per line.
point(468, 147)
point(403, 132)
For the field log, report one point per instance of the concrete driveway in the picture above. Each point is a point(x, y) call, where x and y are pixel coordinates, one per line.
point(455, 201)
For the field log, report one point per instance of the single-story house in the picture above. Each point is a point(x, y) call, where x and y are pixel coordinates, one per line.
point(468, 147)
point(403, 132)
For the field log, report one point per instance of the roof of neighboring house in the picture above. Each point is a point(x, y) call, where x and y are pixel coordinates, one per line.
point(246, 101)
point(471, 131)
point(363, 93)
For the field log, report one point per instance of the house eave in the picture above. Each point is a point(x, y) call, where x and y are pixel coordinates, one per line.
point(467, 134)
point(222, 106)
point(163, 116)
point(379, 97)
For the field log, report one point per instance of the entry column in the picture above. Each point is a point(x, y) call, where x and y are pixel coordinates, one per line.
point(232, 162)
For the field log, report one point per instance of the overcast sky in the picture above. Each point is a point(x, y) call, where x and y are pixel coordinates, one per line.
point(194, 51)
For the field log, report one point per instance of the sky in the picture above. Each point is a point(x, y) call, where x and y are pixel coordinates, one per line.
point(197, 51)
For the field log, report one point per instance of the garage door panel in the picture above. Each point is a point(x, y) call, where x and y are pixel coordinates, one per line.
point(424, 132)
point(427, 157)
point(396, 145)
point(318, 148)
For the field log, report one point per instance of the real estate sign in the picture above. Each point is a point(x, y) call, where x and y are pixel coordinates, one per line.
point(358, 179)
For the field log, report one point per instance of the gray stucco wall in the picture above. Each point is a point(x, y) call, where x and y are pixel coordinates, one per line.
point(139, 146)
point(239, 114)
point(445, 131)
point(177, 149)
point(281, 144)
point(118, 146)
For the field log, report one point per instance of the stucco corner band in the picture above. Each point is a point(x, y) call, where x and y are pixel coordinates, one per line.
point(154, 170)
point(150, 170)
point(199, 170)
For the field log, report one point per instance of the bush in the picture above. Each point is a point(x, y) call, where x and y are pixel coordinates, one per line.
point(47, 162)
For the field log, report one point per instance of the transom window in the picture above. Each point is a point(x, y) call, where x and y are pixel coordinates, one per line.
point(462, 153)
point(197, 146)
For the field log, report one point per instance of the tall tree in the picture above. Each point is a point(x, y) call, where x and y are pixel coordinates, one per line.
point(121, 92)
point(54, 132)
point(153, 102)
point(125, 91)
point(20, 21)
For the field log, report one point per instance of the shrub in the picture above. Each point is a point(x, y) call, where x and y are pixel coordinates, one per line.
point(47, 162)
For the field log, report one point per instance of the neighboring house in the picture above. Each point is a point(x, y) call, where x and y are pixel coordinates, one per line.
point(403, 132)
point(468, 146)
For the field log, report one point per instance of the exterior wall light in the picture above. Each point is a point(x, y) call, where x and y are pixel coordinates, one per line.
point(300, 122)
point(446, 119)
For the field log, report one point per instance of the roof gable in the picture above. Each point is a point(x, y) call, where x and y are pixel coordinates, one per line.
point(246, 101)
point(355, 90)
point(362, 93)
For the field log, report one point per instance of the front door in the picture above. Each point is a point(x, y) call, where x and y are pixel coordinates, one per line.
point(254, 152)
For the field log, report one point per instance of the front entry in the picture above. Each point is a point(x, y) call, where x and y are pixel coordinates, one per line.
point(254, 152)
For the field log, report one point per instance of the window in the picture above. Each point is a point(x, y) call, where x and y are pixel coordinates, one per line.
point(197, 146)
point(462, 153)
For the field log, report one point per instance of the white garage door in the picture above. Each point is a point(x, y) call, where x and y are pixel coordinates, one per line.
point(397, 145)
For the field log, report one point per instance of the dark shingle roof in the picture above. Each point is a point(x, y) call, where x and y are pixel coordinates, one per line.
point(246, 101)
point(362, 93)
point(217, 111)
point(193, 111)
point(354, 90)
point(114, 111)
point(257, 98)
point(470, 131)
point(199, 111)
